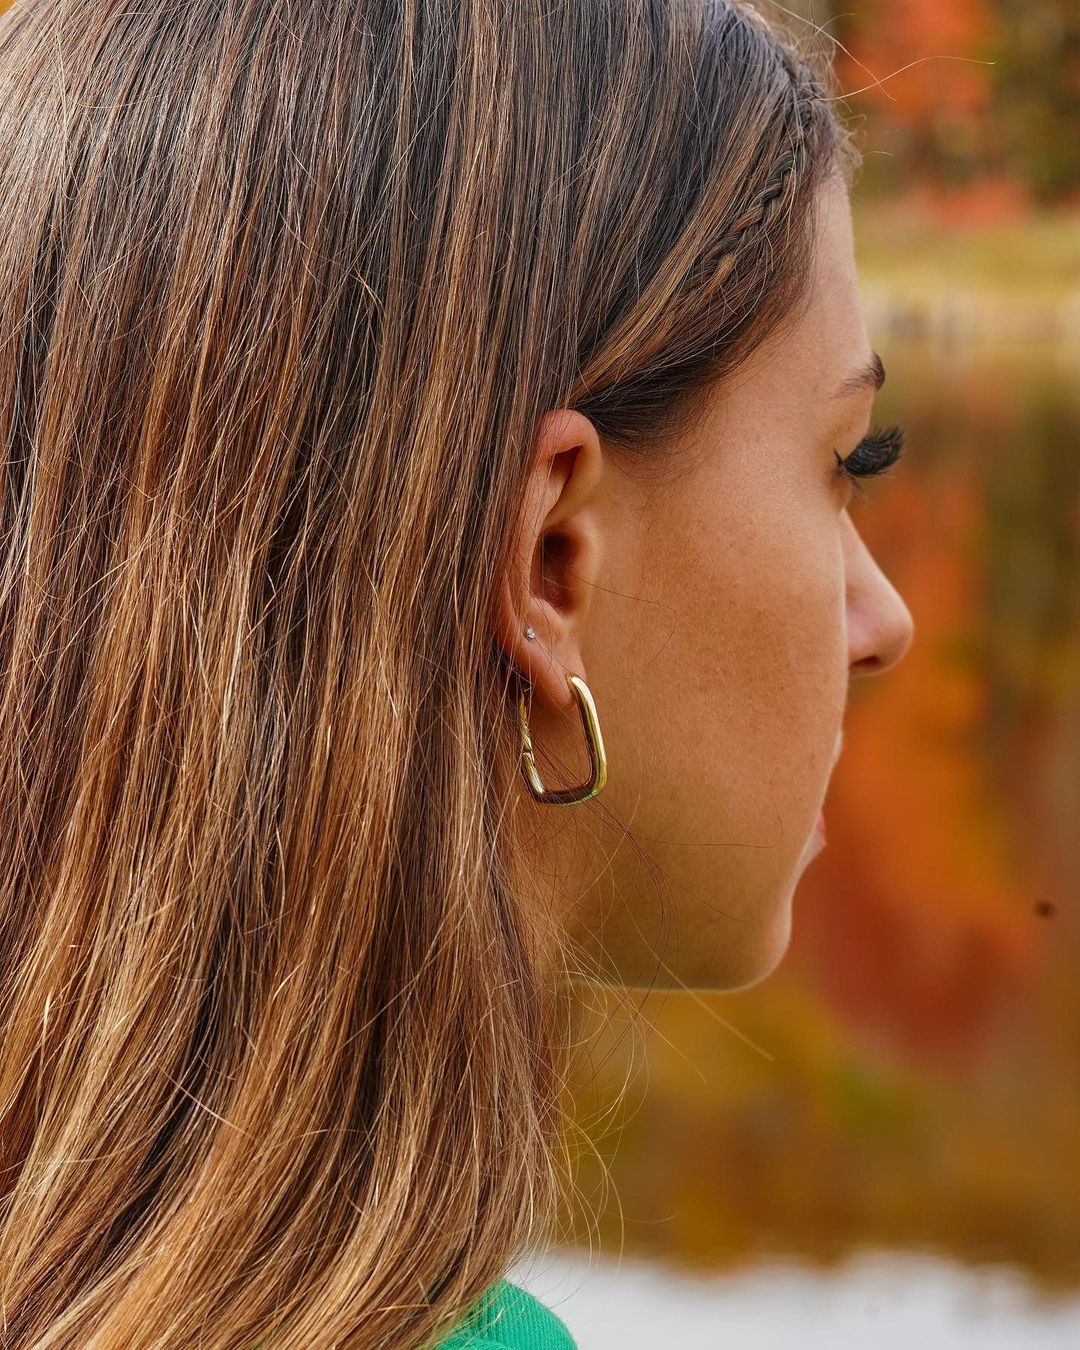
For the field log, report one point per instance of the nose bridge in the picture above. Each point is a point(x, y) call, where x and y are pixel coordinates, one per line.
point(880, 625)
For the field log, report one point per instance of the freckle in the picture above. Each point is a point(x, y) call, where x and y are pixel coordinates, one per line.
point(1045, 909)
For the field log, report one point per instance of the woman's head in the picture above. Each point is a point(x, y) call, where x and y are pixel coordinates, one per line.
point(717, 616)
point(288, 295)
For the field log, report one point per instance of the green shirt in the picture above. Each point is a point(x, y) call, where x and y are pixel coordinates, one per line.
point(510, 1318)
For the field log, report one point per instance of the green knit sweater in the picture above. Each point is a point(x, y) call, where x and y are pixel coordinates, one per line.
point(510, 1318)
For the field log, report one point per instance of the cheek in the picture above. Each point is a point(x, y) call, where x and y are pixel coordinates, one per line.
point(746, 653)
point(769, 635)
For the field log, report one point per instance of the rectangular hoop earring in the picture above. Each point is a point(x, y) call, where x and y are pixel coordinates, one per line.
point(597, 756)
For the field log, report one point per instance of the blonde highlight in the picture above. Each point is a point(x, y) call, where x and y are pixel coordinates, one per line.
point(284, 291)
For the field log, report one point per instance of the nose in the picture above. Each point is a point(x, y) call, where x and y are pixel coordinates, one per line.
point(879, 623)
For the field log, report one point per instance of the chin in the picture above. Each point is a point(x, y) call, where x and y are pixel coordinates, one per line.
point(745, 975)
point(730, 969)
point(754, 973)
point(720, 958)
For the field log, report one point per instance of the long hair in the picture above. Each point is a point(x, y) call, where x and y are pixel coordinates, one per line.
point(285, 288)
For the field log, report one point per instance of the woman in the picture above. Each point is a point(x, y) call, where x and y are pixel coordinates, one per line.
point(428, 583)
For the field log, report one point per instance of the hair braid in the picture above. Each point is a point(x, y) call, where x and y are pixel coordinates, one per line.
point(755, 217)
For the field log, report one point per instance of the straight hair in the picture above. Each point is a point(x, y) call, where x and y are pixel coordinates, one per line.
point(285, 290)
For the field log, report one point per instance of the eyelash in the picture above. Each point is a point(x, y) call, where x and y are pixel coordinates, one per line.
point(874, 454)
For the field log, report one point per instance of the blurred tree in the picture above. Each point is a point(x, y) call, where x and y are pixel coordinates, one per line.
point(931, 111)
point(1038, 47)
point(1007, 112)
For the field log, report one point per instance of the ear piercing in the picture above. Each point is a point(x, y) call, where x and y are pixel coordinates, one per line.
point(530, 632)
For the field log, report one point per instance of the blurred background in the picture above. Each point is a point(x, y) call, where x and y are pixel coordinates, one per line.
point(883, 1139)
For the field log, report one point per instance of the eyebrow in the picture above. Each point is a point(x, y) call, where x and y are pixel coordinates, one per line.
point(872, 376)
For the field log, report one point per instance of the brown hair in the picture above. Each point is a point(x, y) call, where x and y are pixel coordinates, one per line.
point(284, 290)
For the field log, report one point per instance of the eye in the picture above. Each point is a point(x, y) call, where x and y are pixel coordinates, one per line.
point(874, 454)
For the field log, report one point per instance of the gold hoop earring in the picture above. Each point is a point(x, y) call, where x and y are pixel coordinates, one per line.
point(597, 757)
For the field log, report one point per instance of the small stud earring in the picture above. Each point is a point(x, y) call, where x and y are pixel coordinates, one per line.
point(530, 632)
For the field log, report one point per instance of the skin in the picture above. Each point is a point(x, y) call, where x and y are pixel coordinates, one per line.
point(717, 614)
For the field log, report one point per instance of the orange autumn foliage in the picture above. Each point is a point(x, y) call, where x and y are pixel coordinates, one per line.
point(902, 56)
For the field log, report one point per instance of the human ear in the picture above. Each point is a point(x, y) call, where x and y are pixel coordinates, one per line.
point(548, 583)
